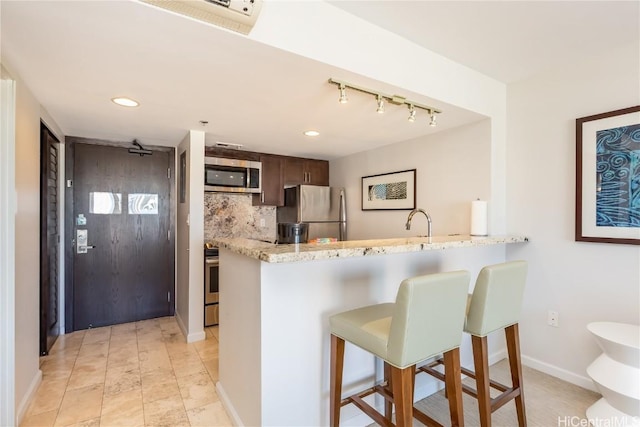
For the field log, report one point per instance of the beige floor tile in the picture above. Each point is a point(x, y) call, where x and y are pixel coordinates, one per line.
point(128, 340)
point(45, 419)
point(165, 412)
point(94, 350)
point(48, 397)
point(197, 390)
point(158, 385)
point(124, 409)
point(87, 372)
point(80, 405)
point(94, 422)
point(212, 414)
point(154, 360)
point(186, 366)
point(68, 342)
point(123, 329)
point(123, 356)
point(135, 374)
point(211, 366)
point(97, 335)
point(214, 332)
point(58, 367)
point(122, 379)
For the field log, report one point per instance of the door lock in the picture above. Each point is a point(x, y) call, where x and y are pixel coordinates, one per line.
point(81, 238)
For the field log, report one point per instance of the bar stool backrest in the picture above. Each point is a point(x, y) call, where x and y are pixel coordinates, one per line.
point(428, 317)
point(497, 298)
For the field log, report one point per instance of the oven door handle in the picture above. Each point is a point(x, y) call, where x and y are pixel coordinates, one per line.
point(212, 262)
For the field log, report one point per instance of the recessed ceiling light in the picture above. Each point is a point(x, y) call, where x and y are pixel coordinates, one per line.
point(125, 102)
point(312, 133)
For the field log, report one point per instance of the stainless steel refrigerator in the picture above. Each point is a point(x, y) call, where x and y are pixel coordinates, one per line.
point(323, 208)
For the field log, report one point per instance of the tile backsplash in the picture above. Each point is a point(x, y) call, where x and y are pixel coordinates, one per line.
point(232, 215)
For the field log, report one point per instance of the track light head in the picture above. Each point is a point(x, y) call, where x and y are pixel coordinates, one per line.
point(343, 95)
point(380, 108)
point(432, 122)
point(412, 113)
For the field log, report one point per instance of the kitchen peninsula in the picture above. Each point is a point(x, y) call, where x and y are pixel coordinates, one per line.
point(274, 335)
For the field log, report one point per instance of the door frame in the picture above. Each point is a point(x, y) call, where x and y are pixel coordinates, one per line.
point(44, 232)
point(69, 226)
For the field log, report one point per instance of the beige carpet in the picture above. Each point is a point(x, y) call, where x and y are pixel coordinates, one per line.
point(548, 401)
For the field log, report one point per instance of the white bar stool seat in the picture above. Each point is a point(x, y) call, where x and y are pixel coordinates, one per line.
point(427, 319)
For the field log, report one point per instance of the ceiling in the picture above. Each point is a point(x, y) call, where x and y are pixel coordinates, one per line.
point(77, 55)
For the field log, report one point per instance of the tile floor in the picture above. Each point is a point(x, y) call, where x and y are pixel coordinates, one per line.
point(134, 374)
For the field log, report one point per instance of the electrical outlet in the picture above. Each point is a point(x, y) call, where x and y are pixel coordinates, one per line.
point(552, 318)
point(262, 222)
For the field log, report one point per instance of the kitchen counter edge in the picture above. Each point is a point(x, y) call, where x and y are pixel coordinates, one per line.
point(272, 253)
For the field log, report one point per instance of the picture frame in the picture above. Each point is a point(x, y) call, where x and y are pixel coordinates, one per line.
point(608, 177)
point(389, 191)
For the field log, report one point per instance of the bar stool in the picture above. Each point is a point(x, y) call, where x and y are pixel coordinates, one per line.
point(495, 304)
point(427, 319)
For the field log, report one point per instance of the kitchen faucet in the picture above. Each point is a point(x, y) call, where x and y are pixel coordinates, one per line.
point(412, 213)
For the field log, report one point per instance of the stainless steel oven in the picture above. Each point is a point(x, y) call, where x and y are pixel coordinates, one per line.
point(211, 300)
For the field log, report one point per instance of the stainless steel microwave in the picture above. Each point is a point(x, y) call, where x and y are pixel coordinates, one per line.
point(232, 175)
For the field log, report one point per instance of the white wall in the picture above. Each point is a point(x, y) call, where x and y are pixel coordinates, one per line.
point(584, 282)
point(190, 240)
point(452, 169)
point(7, 246)
point(362, 48)
point(27, 242)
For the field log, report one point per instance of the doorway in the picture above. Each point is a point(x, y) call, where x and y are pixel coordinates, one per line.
point(49, 239)
point(122, 234)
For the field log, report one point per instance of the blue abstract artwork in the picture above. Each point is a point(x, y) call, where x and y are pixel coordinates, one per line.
point(618, 177)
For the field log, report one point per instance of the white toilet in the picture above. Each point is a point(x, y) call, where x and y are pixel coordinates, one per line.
point(616, 374)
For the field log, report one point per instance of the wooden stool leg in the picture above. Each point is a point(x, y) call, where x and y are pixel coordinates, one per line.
point(403, 395)
point(481, 364)
point(335, 386)
point(453, 386)
point(388, 406)
point(513, 349)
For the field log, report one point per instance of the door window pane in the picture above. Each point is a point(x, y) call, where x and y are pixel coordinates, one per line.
point(105, 203)
point(143, 204)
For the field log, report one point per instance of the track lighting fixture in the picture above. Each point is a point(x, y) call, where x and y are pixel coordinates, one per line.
point(343, 95)
point(381, 98)
point(412, 114)
point(380, 108)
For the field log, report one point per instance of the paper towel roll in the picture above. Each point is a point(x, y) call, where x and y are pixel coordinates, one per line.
point(479, 218)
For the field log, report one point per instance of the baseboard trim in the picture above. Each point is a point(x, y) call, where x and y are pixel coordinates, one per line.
point(560, 373)
point(21, 410)
point(196, 336)
point(190, 337)
point(226, 403)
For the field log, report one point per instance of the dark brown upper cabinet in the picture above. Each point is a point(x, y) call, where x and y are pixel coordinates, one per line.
point(298, 171)
point(272, 193)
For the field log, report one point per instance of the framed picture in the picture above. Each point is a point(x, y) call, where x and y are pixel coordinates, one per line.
point(608, 177)
point(389, 191)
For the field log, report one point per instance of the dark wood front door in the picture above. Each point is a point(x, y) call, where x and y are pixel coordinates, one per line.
point(49, 240)
point(123, 270)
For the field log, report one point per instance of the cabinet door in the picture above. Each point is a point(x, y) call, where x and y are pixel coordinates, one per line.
point(272, 182)
point(317, 172)
point(294, 172)
point(299, 171)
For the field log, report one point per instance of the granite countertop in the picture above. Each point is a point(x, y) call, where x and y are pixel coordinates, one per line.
point(270, 252)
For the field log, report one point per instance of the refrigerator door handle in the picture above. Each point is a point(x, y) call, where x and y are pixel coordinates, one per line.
point(343, 216)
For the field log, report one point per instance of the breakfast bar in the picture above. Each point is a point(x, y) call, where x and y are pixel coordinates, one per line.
point(274, 332)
